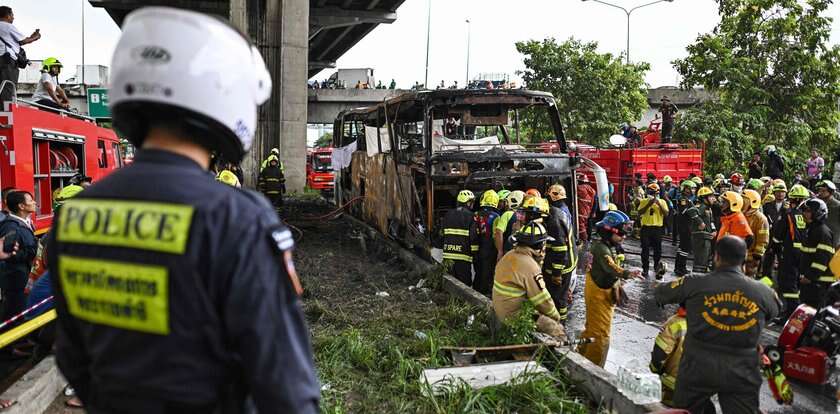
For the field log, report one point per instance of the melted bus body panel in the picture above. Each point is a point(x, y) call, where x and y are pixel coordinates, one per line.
point(409, 156)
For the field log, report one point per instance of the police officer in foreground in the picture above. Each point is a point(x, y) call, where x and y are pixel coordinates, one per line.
point(726, 312)
point(176, 293)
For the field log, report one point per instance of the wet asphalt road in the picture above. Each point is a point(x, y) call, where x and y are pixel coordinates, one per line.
point(635, 327)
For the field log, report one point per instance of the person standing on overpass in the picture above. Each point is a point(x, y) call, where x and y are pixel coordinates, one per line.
point(185, 299)
point(726, 312)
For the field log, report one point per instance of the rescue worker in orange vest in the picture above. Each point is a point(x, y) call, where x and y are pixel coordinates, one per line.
point(667, 353)
point(561, 257)
point(733, 222)
point(760, 228)
point(519, 278)
point(786, 235)
point(817, 251)
point(484, 262)
point(603, 284)
point(460, 240)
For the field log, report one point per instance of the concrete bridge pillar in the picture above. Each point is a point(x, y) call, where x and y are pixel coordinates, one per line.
point(280, 30)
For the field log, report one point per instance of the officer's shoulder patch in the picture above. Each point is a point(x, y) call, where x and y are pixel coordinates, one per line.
point(282, 238)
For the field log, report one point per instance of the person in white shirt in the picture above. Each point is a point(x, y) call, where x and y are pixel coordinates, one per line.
point(11, 39)
point(48, 92)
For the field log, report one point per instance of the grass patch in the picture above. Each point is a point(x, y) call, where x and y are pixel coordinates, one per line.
point(375, 367)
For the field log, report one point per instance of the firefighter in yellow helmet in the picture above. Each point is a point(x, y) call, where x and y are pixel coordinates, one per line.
point(460, 240)
point(701, 226)
point(272, 182)
point(561, 257)
point(484, 261)
point(508, 223)
point(652, 212)
point(603, 284)
point(761, 230)
point(519, 278)
point(274, 153)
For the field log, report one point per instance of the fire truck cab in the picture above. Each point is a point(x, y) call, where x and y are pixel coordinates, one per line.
point(319, 170)
point(42, 150)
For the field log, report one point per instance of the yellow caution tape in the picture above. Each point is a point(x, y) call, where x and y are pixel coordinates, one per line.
point(26, 328)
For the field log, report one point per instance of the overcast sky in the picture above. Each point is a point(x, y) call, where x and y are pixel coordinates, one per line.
point(659, 34)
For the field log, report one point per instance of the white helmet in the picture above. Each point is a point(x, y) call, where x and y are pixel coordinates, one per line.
point(191, 68)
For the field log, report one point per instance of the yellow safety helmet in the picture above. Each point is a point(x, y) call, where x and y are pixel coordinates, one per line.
point(228, 178)
point(531, 203)
point(779, 185)
point(466, 196)
point(799, 191)
point(542, 204)
point(667, 179)
point(556, 192)
point(704, 191)
point(50, 62)
point(515, 199)
point(490, 199)
point(736, 202)
point(753, 197)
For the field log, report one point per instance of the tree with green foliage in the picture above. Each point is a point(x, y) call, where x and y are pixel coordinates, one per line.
point(325, 140)
point(595, 92)
point(776, 78)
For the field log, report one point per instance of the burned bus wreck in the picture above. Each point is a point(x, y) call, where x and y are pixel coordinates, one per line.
point(409, 156)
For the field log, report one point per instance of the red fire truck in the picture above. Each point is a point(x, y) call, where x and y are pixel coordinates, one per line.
point(319, 171)
point(42, 150)
point(641, 156)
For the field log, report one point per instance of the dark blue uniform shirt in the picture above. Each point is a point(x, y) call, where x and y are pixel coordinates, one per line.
point(175, 293)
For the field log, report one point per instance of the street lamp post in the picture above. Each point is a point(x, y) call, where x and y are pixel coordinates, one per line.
point(428, 37)
point(628, 12)
point(467, 82)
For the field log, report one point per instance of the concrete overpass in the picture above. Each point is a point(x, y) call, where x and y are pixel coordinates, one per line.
point(325, 104)
point(298, 38)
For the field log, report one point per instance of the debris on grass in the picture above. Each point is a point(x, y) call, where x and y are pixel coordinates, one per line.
point(440, 380)
point(370, 350)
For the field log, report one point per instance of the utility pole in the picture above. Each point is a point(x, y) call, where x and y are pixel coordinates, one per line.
point(628, 13)
point(469, 28)
point(428, 37)
point(83, 88)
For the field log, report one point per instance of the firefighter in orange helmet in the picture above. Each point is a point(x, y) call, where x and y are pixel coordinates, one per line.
point(733, 222)
point(560, 258)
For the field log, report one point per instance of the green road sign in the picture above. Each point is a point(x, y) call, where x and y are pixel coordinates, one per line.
point(97, 100)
